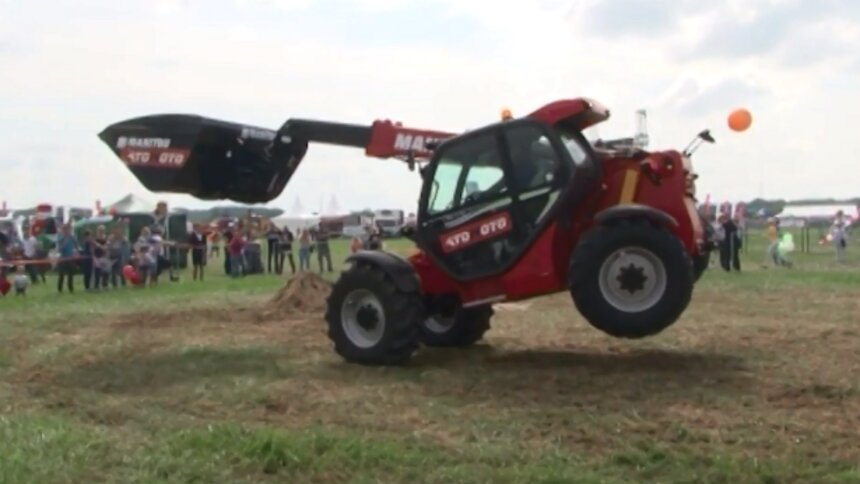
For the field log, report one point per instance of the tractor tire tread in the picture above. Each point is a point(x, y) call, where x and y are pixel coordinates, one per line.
point(402, 316)
point(469, 327)
point(585, 271)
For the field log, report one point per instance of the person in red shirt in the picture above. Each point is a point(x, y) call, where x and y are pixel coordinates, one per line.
point(237, 258)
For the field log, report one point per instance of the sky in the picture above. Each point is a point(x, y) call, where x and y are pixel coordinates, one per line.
point(70, 68)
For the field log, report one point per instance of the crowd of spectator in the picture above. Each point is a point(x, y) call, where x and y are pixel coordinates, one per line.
point(728, 234)
point(108, 259)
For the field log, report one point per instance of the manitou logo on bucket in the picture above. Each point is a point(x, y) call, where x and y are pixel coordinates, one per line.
point(478, 231)
point(126, 142)
point(155, 158)
point(260, 134)
point(414, 142)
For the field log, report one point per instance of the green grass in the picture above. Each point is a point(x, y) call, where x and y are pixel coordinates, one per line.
point(757, 383)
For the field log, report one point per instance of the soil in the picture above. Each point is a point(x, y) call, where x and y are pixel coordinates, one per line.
point(304, 294)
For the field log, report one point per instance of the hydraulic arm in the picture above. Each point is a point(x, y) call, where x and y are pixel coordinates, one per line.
point(216, 160)
point(212, 159)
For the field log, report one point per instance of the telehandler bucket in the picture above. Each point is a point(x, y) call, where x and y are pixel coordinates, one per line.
point(206, 158)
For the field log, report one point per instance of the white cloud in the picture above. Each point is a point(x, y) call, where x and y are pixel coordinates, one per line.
point(279, 4)
point(70, 72)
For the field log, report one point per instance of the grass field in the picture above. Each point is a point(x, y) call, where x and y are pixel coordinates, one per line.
point(758, 382)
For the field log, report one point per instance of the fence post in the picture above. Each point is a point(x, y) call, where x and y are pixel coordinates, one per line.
point(804, 247)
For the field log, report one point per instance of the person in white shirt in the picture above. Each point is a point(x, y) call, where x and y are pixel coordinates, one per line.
point(838, 235)
point(147, 264)
point(30, 247)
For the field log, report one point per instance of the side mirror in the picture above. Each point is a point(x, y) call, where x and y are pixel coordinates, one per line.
point(703, 137)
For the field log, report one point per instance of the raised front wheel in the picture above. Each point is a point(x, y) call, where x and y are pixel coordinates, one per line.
point(631, 280)
point(372, 321)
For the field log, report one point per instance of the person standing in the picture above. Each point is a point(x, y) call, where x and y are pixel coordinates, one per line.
point(160, 216)
point(197, 241)
point(147, 264)
point(214, 243)
point(355, 245)
point(156, 244)
point(374, 238)
point(838, 236)
point(304, 250)
point(286, 250)
point(236, 248)
point(101, 261)
point(273, 247)
point(773, 237)
point(31, 246)
point(227, 237)
point(730, 246)
point(323, 249)
point(87, 259)
point(4, 242)
point(67, 248)
point(119, 253)
point(21, 282)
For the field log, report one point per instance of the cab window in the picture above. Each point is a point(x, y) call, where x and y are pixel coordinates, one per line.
point(535, 160)
point(467, 173)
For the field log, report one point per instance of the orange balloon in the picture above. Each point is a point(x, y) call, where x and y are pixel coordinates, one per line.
point(740, 120)
point(506, 114)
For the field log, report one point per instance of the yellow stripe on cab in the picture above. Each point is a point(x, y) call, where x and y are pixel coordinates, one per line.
point(628, 189)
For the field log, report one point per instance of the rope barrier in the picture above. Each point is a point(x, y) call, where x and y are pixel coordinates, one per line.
point(56, 260)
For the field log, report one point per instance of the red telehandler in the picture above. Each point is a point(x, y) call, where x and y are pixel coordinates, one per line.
point(517, 209)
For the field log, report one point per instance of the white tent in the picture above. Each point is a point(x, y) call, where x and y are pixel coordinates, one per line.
point(297, 222)
point(297, 208)
point(132, 203)
point(334, 208)
point(812, 212)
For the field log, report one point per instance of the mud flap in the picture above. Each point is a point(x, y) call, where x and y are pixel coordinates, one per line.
point(205, 158)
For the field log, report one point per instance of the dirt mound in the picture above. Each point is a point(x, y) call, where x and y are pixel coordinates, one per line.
point(304, 294)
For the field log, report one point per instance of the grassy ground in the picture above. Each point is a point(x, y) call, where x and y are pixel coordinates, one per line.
point(758, 382)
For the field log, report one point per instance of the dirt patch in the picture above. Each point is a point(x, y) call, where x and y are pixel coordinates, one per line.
point(163, 319)
point(304, 294)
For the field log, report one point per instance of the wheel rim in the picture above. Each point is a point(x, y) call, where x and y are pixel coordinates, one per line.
point(633, 279)
point(439, 324)
point(362, 318)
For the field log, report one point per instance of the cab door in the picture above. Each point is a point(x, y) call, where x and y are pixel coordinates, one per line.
point(488, 194)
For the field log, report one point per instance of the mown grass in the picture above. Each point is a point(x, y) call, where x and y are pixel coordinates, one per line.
point(187, 383)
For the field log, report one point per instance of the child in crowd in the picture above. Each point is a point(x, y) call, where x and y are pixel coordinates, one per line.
point(147, 264)
point(356, 244)
point(21, 281)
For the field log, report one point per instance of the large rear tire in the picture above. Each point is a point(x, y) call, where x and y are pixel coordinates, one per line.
point(370, 320)
point(463, 327)
point(631, 279)
point(700, 265)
